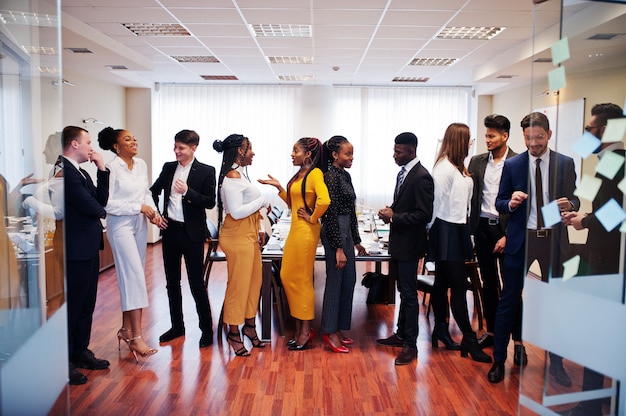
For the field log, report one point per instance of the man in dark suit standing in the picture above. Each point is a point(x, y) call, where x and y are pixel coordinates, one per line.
point(486, 224)
point(411, 211)
point(189, 189)
point(529, 181)
point(84, 208)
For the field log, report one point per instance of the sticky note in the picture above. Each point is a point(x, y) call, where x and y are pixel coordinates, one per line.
point(622, 229)
point(610, 215)
point(615, 129)
point(560, 51)
point(570, 267)
point(586, 145)
point(609, 165)
point(551, 214)
point(556, 78)
point(622, 185)
point(588, 188)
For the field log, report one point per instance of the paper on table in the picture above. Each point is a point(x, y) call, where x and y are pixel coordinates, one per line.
point(570, 268)
point(586, 145)
point(588, 188)
point(615, 129)
point(609, 165)
point(560, 51)
point(551, 214)
point(556, 78)
point(610, 215)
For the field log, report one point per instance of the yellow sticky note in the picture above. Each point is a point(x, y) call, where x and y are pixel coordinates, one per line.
point(570, 268)
point(556, 78)
point(588, 188)
point(560, 51)
point(615, 129)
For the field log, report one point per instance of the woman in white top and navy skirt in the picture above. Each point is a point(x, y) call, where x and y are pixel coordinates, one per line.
point(449, 241)
point(240, 239)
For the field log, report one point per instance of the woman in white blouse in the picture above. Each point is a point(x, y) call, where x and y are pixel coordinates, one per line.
point(240, 239)
point(449, 241)
point(130, 204)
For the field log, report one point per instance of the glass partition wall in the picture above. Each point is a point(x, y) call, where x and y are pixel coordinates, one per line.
point(575, 312)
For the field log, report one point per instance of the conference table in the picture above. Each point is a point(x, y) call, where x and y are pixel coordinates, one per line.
point(373, 236)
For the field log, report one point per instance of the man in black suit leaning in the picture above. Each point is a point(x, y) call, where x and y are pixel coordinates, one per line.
point(84, 207)
point(486, 224)
point(411, 211)
point(189, 189)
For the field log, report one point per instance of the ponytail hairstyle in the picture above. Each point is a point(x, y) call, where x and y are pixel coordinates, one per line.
point(316, 160)
point(455, 146)
point(230, 148)
point(332, 145)
point(108, 137)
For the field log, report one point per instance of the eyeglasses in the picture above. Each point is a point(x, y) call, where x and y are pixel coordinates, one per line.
point(537, 137)
point(589, 128)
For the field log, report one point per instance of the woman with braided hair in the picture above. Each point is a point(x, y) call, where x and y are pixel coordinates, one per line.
point(307, 197)
point(239, 238)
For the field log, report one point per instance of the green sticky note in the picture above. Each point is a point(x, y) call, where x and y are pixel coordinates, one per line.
point(615, 130)
point(609, 165)
point(570, 268)
point(556, 78)
point(588, 188)
point(560, 51)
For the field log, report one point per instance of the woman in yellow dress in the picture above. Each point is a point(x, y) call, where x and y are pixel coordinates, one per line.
point(307, 197)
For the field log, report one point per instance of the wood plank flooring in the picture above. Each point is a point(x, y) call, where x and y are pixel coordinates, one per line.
point(182, 379)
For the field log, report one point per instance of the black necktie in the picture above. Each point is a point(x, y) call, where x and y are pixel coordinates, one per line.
point(539, 193)
point(399, 181)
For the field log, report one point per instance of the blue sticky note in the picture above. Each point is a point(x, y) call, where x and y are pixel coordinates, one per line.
point(570, 267)
point(588, 188)
point(551, 214)
point(586, 145)
point(610, 215)
point(610, 164)
point(560, 51)
point(556, 78)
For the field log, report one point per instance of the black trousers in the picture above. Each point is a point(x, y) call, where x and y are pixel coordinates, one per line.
point(82, 286)
point(452, 274)
point(406, 276)
point(177, 245)
point(485, 239)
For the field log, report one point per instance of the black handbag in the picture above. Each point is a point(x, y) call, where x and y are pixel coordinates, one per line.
point(377, 284)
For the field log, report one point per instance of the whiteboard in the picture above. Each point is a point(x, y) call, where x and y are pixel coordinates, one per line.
point(567, 122)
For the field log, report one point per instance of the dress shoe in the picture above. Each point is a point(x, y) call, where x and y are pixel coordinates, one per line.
point(561, 377)
point(393, 341)
point(171, 334)
point(88, 360)
point(340, 348)
point(347, 341)
point(206, 339)
point(308, 344)
point(441, 333)
point(76, 377)
point(406, 356)
point(519, 356)
point(469, 345)
point(485, 340)
point(496, 374)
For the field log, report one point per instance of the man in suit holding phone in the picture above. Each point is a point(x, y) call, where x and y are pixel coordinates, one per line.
point(189, 189)
point(411, 211)
point(84, 208)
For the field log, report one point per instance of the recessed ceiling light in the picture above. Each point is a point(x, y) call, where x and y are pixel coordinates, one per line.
point(156, 29)
point(26, 18)
point(39, 50)
point(506, 76)
point(196, 59)
point(605, 36)
point(281, 31)
point(290, 59)
point(219, 77)
point(433, 61)
point(78, 50)
point(470, 33)
point(296, 77)
point(411, 79)
point(48, 69)
point(116, 67)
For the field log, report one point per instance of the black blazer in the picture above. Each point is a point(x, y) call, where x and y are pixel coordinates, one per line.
point(84, 207)
point(199, 196)
point(477, 167)
point(412, 211)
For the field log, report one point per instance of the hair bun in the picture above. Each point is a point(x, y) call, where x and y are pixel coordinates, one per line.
point(218, 145)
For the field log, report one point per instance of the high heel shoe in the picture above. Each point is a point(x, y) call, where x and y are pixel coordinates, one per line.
point(121, 338)
point(441, 333)
point(135, 351)
point(305, 346)
point(345, 340)
point(256, 342)
point(469, 344)
point(234, 338)
point(328, 342)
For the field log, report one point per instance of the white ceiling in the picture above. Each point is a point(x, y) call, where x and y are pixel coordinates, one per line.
point(370, 41)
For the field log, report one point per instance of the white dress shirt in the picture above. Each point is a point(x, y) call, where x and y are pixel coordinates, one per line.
point(491, 185)
point(453, 193)
point(545, 180)
point(128, 189)
point(175, 204)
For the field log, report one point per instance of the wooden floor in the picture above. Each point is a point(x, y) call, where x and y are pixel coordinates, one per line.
point(182, 379)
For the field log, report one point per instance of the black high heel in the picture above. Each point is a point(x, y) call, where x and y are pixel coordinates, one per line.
point(441, 333)
point(235, 338)
point(308, 344)
point(469, 344)
point(256, 342)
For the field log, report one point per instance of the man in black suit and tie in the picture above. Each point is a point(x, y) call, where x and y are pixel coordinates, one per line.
point(189, 189)
point(486, 224)
point(84, 208)
point(529, 181)
point(411, 211)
